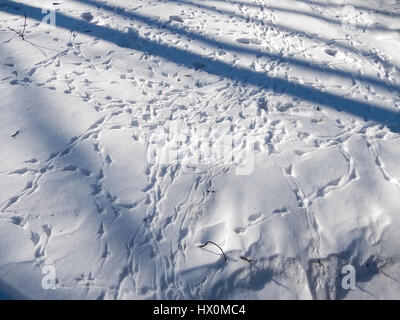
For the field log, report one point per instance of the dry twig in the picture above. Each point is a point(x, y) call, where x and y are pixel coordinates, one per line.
point(202, 246)
point(20, 33)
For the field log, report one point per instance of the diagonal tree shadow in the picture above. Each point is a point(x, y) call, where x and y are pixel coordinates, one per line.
point(237, 48)
point(219, 44)
point(313, 15)
point(318, 38)
point(360, 109)
point(358, 7)
point(315, 37)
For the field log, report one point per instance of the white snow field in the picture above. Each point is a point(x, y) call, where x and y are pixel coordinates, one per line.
point(134, 132)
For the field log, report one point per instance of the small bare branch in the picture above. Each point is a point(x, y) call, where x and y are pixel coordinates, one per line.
point(20, 33)
point(202, 246)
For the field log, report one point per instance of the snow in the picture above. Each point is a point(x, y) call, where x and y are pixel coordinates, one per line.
point(131, 133)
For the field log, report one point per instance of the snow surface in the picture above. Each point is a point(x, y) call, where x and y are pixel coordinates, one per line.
point(135, 131)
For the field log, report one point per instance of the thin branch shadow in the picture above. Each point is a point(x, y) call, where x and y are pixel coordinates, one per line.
point(235, 48)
